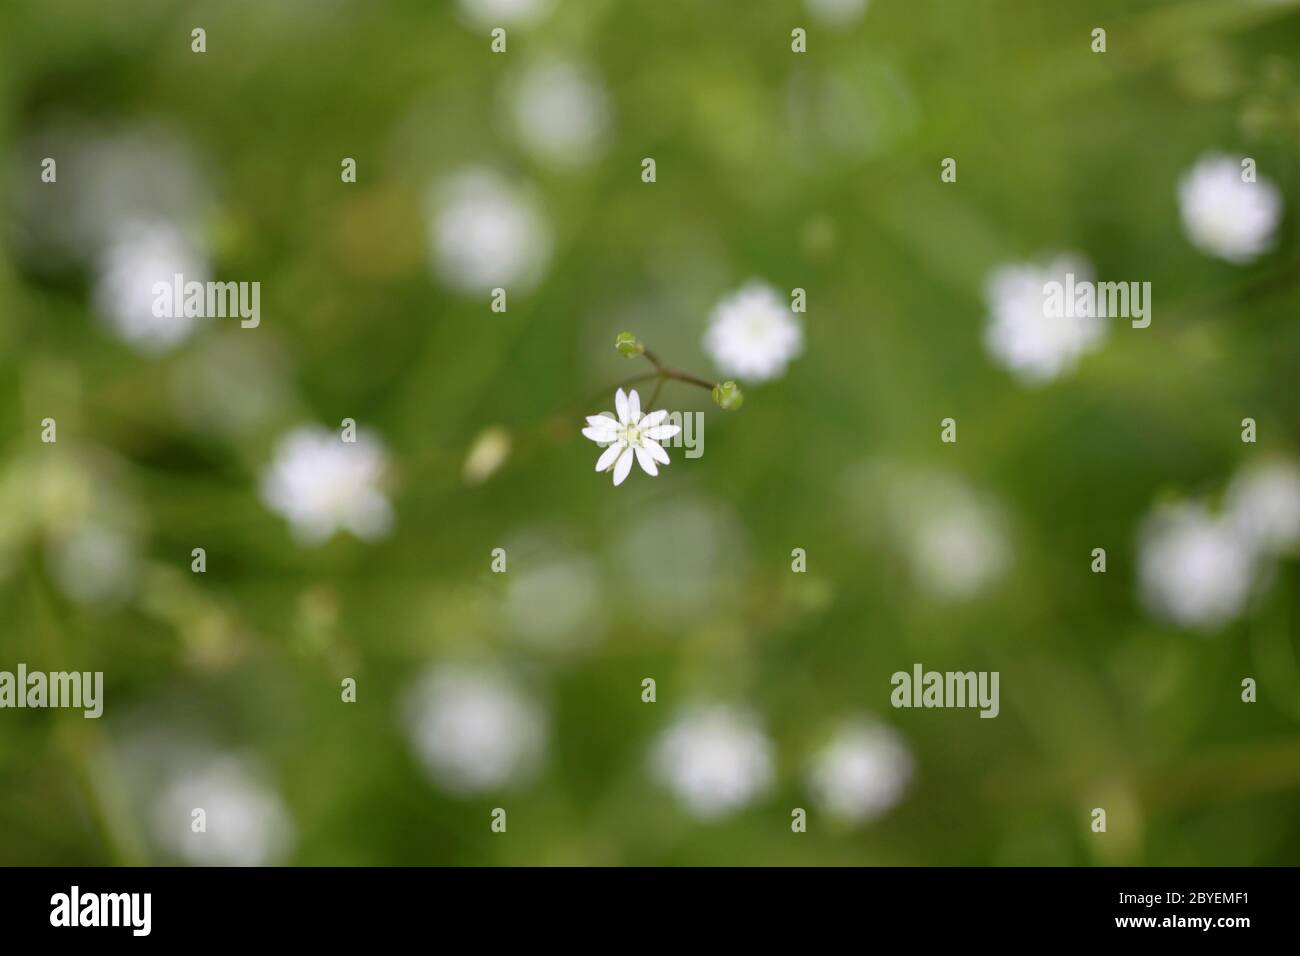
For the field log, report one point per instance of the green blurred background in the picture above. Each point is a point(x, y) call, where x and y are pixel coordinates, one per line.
point(818, 171)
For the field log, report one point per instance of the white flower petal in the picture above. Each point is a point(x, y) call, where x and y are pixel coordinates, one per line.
point(646, 459)
point(610, 455)
point(657, 451)
point(652, 419)
point(600, 435)
point(620, 404)
point(662, 431)
point(602, 421)
point(623, 467)
point(634, 407)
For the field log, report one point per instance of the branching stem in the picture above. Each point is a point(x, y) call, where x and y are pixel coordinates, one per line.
point(663, 371)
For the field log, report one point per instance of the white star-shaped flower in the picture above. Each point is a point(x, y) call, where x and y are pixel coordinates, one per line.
point(630, 435)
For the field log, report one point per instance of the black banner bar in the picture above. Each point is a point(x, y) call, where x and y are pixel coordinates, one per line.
point(338, 905)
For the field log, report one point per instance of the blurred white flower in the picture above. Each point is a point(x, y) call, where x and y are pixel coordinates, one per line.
point(1022, 337)
point(631, 435)
point(561, 112)
point(554, 603)
point(94, 564)
point(323, 484)
point(862, 772)
point(953, 536)
point(107, 178)
point(836, 13)
point(715, 760)
point(247, 823)
point(142, 173)
point(130, 205)
point(1194, 568)
point(137, 255)
point(474, 730)
point(487, 234)
point(752, 333)
point(497, 13)
point(1263, 504)
point(690, 553)
point(1225, 217)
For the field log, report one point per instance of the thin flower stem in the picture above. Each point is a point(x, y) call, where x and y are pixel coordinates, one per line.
point(676, 374)
point(660, 374)
point(688, 378)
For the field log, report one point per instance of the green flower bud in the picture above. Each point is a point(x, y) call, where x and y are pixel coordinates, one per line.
point(728, 396)
point(627, 344)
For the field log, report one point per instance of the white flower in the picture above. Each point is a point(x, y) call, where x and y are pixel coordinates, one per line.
point(715, 760)
point(1020, 335)
point(561, 112)
point(486, 234)
point(1263, 504)
point(138, 255)
point(474, 730)
point(953, 536)
point(94, 564)
point(495, 13)
point(862, 772)
point(630, 435)
point(246, 822)
point(957, 552)
point(555, 603)
point(836, 13)
point(1225, 217)
point(691, 549)
point(107, 177)
point(752, 333)
point(1194, 569)
point(323, 484)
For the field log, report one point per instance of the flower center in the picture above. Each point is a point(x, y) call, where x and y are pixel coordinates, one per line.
point(633, 435)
